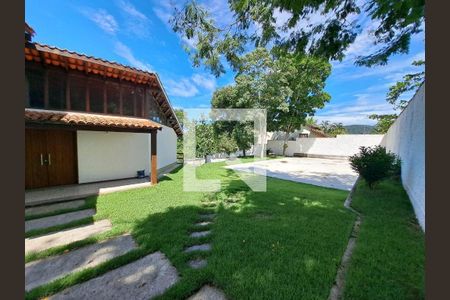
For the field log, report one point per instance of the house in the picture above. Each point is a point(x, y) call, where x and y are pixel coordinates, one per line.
point(89, 120)
point(307, 131)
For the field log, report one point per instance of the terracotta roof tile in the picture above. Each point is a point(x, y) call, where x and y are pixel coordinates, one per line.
point(88, 119)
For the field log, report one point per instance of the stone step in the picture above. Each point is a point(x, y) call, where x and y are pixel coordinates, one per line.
point(58, 219)
point(142, 279)
point(207, 216)
point(197, 263)
point(204, 223)
point(43, 209)
point(202, 247)
point(198, 234)
point(65, 237)
point(208, 292)
point(46, 270)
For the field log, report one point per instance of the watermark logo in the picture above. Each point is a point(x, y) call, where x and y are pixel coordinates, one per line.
point(254, 177)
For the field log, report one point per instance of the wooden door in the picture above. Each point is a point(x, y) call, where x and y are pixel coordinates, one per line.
point(36, 173)
point(61, 157)
point(50, 158)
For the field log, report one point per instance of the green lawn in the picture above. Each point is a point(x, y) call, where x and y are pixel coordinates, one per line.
point(285, 243)
point(389, 258)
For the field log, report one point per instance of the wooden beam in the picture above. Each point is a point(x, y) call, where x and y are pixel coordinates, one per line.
point(68, 105)
point(120, 99)
point(88, 100)
point(105, 105)
point(46, 88)
point(154, 158)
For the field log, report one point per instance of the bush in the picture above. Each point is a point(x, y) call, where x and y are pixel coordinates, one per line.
point(374, 164)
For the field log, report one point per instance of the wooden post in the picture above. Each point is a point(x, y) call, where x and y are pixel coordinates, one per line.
point(154, 158)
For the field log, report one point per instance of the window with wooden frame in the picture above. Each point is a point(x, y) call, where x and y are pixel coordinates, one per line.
point(36, 87)
point(113, 98)
point(78, 86)
point(128, 98)
point(139, 103)
point(57, 89)
point(96, 95)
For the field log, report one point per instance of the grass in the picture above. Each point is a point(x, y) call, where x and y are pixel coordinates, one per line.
point(284, 243)
point(388, 261)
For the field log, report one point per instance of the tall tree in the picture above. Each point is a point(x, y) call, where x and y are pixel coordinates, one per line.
point(206, 143)
point(290, 88)
point(254, 24)
point(332, 129)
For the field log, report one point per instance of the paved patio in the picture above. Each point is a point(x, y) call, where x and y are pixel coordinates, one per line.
point(333, 173)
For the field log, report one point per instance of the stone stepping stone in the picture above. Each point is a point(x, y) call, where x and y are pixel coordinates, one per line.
point(43, 209)
point(208, 292)
point(198, 234)
point(142, 279)
point(66, 236)
point(197, 263)
point(46, 270)
point(204, 223)
point(207, 216)
point(202, 247)
point(58, 219)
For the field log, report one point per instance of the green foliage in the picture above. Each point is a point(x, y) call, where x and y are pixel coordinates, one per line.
point(180, 116)
point(410, 82)
point(374, 164)
point(290, 88)
point(332, 129)
point(205, 139)
point(384, 122)
point(397, 22)
point(226, 143)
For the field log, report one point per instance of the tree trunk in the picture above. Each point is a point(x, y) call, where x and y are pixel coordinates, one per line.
point(285, 143)
point(243, 150)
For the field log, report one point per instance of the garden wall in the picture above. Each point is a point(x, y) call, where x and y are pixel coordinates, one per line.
point(341, 146)
point(406, 137)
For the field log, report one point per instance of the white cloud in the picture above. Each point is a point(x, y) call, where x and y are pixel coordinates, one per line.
point(181, 88)
point(125, 52)
point(136, 22)
point(206, 81)
point(102, 19)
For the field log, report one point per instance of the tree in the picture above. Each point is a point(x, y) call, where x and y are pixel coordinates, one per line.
point(332, 128)
point(205, 139)
point(409, 82)
point(226, 143)
point(290, 88)
point(396, 22)
point(180, 116)
point(310, 121)
point(384, 122)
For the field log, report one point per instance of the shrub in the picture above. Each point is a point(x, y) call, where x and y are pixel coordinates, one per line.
point(375, 164)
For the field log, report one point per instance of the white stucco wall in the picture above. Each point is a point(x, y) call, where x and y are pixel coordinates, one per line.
point(117, 155)
point(406, 137)
point(341, 145)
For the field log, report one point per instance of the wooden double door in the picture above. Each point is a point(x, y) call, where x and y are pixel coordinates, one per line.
point(50, 158)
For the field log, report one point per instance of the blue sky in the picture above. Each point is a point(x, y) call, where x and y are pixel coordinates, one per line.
point(136, 33)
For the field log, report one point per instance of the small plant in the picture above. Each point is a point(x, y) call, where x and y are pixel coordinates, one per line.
point(375, 164)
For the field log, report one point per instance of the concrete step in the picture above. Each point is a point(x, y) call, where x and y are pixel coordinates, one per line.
point(43, 209)
point(65, 237)
point(208, 292)
point(142, 279)
point(61, 219)
point(46, 270)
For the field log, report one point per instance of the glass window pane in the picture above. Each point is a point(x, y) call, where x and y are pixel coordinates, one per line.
point(128, 101)
point(56, 90)
point(96, 96)
point(113, 98)
point(78, 94)
point(35, 78)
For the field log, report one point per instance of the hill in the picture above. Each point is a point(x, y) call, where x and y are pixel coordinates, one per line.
point(359, 129)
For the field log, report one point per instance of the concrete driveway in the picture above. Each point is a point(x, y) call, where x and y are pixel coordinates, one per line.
point(333, 173)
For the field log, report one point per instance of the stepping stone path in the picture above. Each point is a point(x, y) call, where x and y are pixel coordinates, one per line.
point(142, 279)
point(200, 233)
point(58, 219)
point(43, 209)
point(208, 292)
point(198, 263)
point(66, 236)
point(46, 270)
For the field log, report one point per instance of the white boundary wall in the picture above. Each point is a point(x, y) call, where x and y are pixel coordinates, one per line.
point(406, 137)
point(116, 155)
point(342, 145)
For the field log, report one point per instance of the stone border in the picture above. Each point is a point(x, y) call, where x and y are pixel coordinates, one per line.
point(339, 283)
